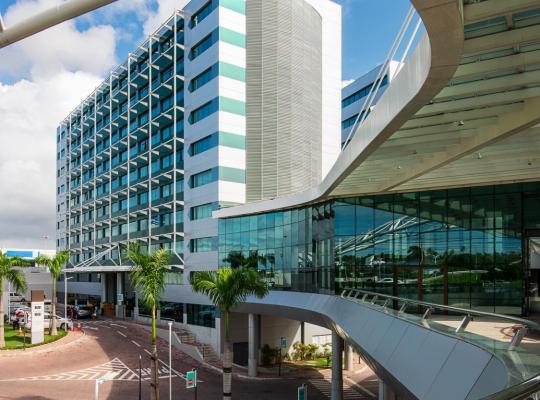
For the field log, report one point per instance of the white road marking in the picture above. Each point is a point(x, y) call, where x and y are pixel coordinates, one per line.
point(120, 333)
point(120, 326)
point(112, 370)
point(147, 352)
point(135, 343)
point(90, 327)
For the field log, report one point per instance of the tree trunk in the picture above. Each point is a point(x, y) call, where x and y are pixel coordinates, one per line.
point(227, 361)
point(52, 327)
point(2, 340)
point(227, 370)
point(155, 366)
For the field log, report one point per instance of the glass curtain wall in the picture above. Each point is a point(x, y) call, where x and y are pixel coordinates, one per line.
point(461, 247)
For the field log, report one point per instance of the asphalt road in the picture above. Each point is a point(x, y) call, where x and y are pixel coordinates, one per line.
point(110, 350)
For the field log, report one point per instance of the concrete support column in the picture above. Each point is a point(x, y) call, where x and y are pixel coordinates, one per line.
point(348, 358)
point(103, 287)
point(119, 289)
point(337, 361)
point(253, 344)
point(385, 391)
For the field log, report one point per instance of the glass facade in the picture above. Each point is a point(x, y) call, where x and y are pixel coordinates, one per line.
point(202, 315)
point(461, 247)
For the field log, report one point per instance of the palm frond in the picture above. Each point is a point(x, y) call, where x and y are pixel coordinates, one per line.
point(228, 287)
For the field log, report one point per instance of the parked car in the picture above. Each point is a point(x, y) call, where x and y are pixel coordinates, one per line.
point(84, 312)
point(15, 297)
point(61, 322)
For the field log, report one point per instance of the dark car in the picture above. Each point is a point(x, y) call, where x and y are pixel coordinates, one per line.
point(83, 312)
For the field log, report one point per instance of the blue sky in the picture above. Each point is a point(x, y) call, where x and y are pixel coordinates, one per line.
point(369, 27)
point(44, 77)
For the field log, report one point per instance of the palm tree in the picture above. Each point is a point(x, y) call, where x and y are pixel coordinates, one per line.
point(55, 265)
point(226, 288)
point(15, 277)
point(148, 278)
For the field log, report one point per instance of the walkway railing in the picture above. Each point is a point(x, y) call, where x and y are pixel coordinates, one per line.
point(393, 53)
point(522, 359)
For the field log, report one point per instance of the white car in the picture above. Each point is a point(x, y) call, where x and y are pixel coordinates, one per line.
point(60, 321)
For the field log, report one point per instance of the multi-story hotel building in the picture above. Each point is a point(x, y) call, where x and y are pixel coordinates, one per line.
point(161, 143)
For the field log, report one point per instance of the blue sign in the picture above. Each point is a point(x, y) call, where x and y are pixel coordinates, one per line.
point(20, 253)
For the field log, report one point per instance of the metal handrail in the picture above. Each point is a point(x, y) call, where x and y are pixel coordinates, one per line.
point(521, 391)
point(464, 311)
point(519, 332)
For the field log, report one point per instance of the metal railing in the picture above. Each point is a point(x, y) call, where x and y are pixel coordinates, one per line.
point(526, 389)
point(385, 67)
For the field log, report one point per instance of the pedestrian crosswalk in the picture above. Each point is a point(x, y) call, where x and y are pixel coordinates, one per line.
point(324, 386)
point(112, 370)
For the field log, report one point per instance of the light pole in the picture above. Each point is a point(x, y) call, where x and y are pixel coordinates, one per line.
point(170, 360)
point(9, 300)
point(65, 300)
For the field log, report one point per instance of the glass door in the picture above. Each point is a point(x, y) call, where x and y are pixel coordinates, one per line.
point(532, 301)
point(435, 284)
point(424, 283)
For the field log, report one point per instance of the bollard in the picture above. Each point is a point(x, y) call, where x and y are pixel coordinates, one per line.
point(71, 327)
point(78, 326)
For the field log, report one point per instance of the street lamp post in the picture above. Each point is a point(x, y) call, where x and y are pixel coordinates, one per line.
point(170, 360)
point(65, 300)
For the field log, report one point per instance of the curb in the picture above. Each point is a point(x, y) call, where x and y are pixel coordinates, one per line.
point(37, 350)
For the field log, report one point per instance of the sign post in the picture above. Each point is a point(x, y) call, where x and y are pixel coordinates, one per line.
point(191, 380)
point(302, 392)
point(38, 307)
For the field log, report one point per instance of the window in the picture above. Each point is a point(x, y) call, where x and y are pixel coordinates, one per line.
point(203, 45)
point(202, 178)
point(172, 311)
point(204, 111)
point(143, 171)
point(166, 103)
point(203, 78)
point(203, 144)
point(202, 13)
point(202, 315)
point(143, 198)
point(349, 122)
point(202, 211)
point(361, 93)
point(202, 245)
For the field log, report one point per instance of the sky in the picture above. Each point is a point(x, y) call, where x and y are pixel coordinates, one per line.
point(44, 77)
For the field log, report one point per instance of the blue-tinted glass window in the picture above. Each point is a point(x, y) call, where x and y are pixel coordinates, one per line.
point(203, 111)
point(202, 178)
point(203, 78)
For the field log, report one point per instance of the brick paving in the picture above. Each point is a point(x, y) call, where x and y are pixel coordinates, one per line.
point(111, 349)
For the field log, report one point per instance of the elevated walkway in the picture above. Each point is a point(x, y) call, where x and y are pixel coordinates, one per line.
point(418, 357)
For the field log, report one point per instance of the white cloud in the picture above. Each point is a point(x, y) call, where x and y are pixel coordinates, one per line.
point(165, 9)
point(52, 72)
point(62, 47)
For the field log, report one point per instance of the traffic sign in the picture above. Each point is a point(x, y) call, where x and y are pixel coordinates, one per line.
point(302, 392)
point(191, 379)
point(283, 342)
point(119, 297)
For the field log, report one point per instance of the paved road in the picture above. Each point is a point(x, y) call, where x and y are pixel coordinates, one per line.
point(110, 350)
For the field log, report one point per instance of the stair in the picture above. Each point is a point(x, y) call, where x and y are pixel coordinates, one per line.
point(207, 352)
